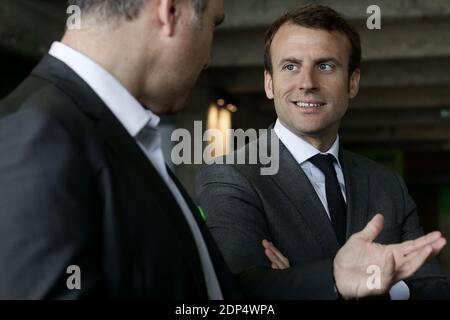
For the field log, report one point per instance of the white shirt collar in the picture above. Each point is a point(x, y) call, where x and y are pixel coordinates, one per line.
point(299, 148)
point(131, 114)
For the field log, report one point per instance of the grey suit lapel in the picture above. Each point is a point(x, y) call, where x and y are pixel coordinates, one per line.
point(295, 184)
point(357, 193)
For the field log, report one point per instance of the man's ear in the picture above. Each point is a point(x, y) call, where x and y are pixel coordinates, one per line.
point(354, 83)
point(268, 84)
point(167, 10)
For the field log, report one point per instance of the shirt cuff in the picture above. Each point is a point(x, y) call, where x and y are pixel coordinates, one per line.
point(400, 291)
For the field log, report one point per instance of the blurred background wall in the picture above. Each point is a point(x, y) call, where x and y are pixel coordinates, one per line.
point(401, 117)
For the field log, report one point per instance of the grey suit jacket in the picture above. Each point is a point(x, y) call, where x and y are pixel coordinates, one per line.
point(244, 207)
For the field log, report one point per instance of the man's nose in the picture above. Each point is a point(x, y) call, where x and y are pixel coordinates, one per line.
point(307, 80)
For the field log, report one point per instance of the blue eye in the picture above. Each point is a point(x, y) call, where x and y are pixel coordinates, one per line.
point(290, 67)
point(326, 67)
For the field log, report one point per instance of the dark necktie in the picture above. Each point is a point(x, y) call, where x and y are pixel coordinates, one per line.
point(336, 203)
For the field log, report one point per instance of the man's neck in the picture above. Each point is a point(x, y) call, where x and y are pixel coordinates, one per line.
point(323, 144)
point(109, 54)
point(322, 141)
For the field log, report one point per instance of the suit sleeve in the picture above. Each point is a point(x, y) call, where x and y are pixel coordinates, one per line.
point(49, 211)
point(429, 282)
point(235, 217)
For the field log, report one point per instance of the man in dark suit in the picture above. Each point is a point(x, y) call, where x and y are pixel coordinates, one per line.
point(315, 207)
point(84, 188)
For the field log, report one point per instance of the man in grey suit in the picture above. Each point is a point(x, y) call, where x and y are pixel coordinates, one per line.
point(314, 208)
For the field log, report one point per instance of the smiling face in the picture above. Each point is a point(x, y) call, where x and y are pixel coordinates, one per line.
point(310, 83)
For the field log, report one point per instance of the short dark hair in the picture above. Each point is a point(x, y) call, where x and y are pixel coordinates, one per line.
point(128, 9)
point(316, 17)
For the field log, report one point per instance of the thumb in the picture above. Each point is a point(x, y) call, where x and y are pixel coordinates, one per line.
point(372, 229)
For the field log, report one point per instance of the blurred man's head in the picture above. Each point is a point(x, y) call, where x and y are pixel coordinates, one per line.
point(156, 48)
point(312, 63)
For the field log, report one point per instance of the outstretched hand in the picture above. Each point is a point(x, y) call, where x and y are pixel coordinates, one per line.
point(395, 262)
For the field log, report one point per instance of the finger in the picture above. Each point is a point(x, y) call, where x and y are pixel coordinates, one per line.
point(275, 256)
point(438, 245)
point(436, 248)
point(280, 263)
point(280, 256)
point(372, 229)
point(402, 258)
point(409, 246)
point(266, 244)
point(413, 262)
point(274, 259)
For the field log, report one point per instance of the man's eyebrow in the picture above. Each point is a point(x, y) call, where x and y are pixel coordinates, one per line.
point(328, 59)
point(317, 61)
point(291, 60)
point(219, 20)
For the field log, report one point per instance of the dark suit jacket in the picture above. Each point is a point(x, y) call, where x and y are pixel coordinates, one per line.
point(76, 189)
point(243, 208)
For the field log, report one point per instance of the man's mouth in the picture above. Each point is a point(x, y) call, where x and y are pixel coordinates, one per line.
point(306, 105)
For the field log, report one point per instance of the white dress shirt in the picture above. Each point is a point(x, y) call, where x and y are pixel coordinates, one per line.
point(302, 151)
point(141, 124)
